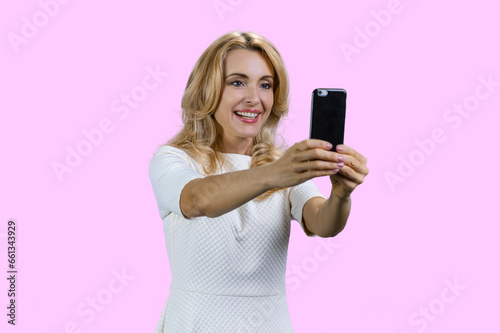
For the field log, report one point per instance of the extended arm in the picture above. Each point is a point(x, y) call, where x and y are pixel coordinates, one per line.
point(215, 195)
point(327, 218)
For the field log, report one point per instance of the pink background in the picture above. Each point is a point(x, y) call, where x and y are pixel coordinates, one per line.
point(404, 244)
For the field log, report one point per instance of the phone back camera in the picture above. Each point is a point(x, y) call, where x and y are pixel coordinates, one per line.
point(322, 92)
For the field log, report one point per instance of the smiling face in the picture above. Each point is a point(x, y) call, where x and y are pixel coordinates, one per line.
point(246, 101)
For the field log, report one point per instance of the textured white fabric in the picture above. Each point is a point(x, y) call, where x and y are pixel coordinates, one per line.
point(228, 273)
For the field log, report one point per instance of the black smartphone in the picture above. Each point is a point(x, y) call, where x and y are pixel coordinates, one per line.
point(328, 115)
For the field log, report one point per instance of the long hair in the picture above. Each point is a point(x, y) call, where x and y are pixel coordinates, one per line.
point(201, 135)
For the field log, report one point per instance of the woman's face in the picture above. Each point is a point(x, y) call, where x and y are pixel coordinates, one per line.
point(247, 97)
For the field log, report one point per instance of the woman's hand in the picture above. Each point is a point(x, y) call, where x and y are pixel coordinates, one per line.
point(351, 174)
point(304, 160)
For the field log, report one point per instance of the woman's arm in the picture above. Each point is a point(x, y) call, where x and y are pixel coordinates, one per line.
point(216, 195)
point(327, 218)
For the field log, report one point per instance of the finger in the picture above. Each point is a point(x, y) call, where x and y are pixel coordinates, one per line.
point(347, 184)
point(350, 174)
point(319, 154)
point(345, 150)
point(317, 173)
point(354, 163)
point(318, 165)
point(312, 144)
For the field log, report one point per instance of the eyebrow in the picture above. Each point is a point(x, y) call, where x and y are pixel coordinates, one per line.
point(246, 76)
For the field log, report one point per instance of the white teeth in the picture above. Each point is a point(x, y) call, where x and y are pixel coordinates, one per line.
point(250, 115)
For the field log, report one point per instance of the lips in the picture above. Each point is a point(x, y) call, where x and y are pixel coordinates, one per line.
point(249, 113)
point(248, 116)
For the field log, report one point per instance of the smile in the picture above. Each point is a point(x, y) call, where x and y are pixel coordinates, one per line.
point(248, 117)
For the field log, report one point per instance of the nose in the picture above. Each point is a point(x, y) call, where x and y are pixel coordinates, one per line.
point(252, 96)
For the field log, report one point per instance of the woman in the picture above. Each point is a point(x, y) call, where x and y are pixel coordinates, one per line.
point(227, 194)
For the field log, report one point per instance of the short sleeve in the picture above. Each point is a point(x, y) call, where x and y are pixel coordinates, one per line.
point(299, 195)
point(170, 170)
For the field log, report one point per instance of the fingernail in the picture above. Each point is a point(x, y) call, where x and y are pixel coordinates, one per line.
point(341, 158)
point(340, 165)
point(335, 170)
point(329, 146)
point(339, 148)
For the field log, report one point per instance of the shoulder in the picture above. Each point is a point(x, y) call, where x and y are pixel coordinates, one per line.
point(170, 152)
point(171, 157)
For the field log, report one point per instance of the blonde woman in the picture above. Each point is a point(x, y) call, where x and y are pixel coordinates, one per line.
point(226, 193)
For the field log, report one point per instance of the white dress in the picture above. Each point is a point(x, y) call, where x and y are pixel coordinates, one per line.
point(228, 273)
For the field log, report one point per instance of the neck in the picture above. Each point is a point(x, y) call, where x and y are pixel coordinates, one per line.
point(242, 147)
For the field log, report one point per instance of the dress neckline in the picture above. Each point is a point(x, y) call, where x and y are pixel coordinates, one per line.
point(225, 154)
point(235, 154)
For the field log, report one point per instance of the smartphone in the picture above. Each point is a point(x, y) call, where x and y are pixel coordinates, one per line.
point(328, 115)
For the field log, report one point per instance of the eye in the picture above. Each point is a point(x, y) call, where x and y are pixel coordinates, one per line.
point(266, 86)
point(236, 83)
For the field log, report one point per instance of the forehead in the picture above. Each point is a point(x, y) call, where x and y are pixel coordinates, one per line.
point(247, 62)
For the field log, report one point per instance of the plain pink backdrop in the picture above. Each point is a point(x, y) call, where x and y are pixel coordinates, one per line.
point(64, 68)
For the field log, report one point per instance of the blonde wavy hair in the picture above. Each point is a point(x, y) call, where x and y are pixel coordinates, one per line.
point(201, 137)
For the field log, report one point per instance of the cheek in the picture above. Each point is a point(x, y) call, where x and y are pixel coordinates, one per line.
point(232, 96)
point(268, 112)
point(268, 101)
point(224, 109)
